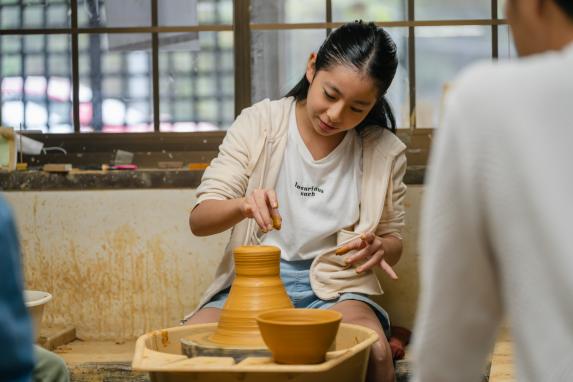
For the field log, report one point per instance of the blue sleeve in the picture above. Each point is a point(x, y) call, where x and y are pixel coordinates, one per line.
point(16, 362)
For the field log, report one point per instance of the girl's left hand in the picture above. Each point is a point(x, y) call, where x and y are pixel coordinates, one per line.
point(371, 248)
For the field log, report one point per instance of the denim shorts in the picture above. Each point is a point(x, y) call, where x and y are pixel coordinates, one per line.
point(295, 277)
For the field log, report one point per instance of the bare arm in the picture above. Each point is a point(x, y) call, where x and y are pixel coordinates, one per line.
point(215, 216)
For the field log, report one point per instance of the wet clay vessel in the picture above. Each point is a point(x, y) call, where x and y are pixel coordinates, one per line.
point(299, 336)
point(257, 288)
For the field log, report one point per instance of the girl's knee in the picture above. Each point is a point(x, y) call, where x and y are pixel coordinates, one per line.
point(357, 312)
point(380, 352)
point(359, 318)
point(381, 361)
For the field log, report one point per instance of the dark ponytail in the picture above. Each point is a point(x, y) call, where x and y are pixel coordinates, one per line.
point(367, 48)
point(566, 6)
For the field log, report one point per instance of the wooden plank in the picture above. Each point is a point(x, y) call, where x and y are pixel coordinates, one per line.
point(57, 167)
point(502, 369)
point(52, 337)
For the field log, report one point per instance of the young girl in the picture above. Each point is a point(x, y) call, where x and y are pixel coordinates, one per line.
point(325, 162)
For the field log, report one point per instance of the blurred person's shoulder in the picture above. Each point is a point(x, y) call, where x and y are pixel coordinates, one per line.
point(519, 80)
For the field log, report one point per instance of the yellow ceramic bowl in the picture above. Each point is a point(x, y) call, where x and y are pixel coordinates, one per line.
point(299, 336)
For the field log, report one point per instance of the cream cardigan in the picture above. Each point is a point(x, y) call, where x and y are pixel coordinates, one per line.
point(250, 158)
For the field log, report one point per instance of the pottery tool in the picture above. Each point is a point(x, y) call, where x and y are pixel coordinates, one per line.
point(197, 166)
point(170, 164)
point(106, 167)
point(57, 167)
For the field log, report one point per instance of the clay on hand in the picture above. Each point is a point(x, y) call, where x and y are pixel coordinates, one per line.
point(375, 257)
point(262, 205)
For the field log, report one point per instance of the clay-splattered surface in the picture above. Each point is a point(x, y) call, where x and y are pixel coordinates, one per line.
point(118, 263)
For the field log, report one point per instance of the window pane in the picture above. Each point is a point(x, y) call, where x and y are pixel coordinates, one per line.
point(34, 43)
point(399, 94)
point(279, 59)
point(452, 9)
point(11, 44)
point(58, 14)
point(137, 13)
point(193, 12)
point(196, 81)
point(34, 14)
point(288, 11)
point(114, 13)
point(369, 10)
point(117, 82)
point(441, 52)
point(501, 9)
point(506, 46)
point(36, 83)
point(10, 16)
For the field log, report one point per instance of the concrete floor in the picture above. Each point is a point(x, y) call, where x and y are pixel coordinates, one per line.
point(108, 360)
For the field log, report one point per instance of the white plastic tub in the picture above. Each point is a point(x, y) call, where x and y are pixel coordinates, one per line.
point(35, 301)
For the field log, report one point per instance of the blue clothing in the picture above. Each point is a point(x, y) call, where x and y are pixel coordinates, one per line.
point(295, 277)
point(17, 360)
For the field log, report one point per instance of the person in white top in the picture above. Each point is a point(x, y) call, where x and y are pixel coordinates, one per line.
point(324, 180)
point(496, 239)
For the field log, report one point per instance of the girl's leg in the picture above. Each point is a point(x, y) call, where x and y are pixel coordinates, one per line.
point(205, 316)
point(380, 366)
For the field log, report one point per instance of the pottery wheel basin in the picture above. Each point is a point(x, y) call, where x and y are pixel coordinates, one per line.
point(159, 354)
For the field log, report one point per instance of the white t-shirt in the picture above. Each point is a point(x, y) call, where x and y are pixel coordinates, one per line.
point(316, 197)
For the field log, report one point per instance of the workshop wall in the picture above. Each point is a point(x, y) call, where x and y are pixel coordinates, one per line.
point(121, 263)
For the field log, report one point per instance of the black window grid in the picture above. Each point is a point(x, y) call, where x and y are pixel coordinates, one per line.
point(96, 74)
point(74, 31)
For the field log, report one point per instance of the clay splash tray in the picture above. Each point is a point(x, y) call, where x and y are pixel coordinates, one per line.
point(159, 354)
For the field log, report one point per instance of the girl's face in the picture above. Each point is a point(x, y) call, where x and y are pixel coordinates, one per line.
point(338, 99)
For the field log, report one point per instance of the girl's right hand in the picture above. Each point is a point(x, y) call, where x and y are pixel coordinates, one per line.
point(262, 206)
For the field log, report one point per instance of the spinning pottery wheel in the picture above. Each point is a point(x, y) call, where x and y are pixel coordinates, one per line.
point(232, 350)
point(257, 288)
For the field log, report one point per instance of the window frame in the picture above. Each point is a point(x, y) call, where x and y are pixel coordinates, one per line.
point(241, 28)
